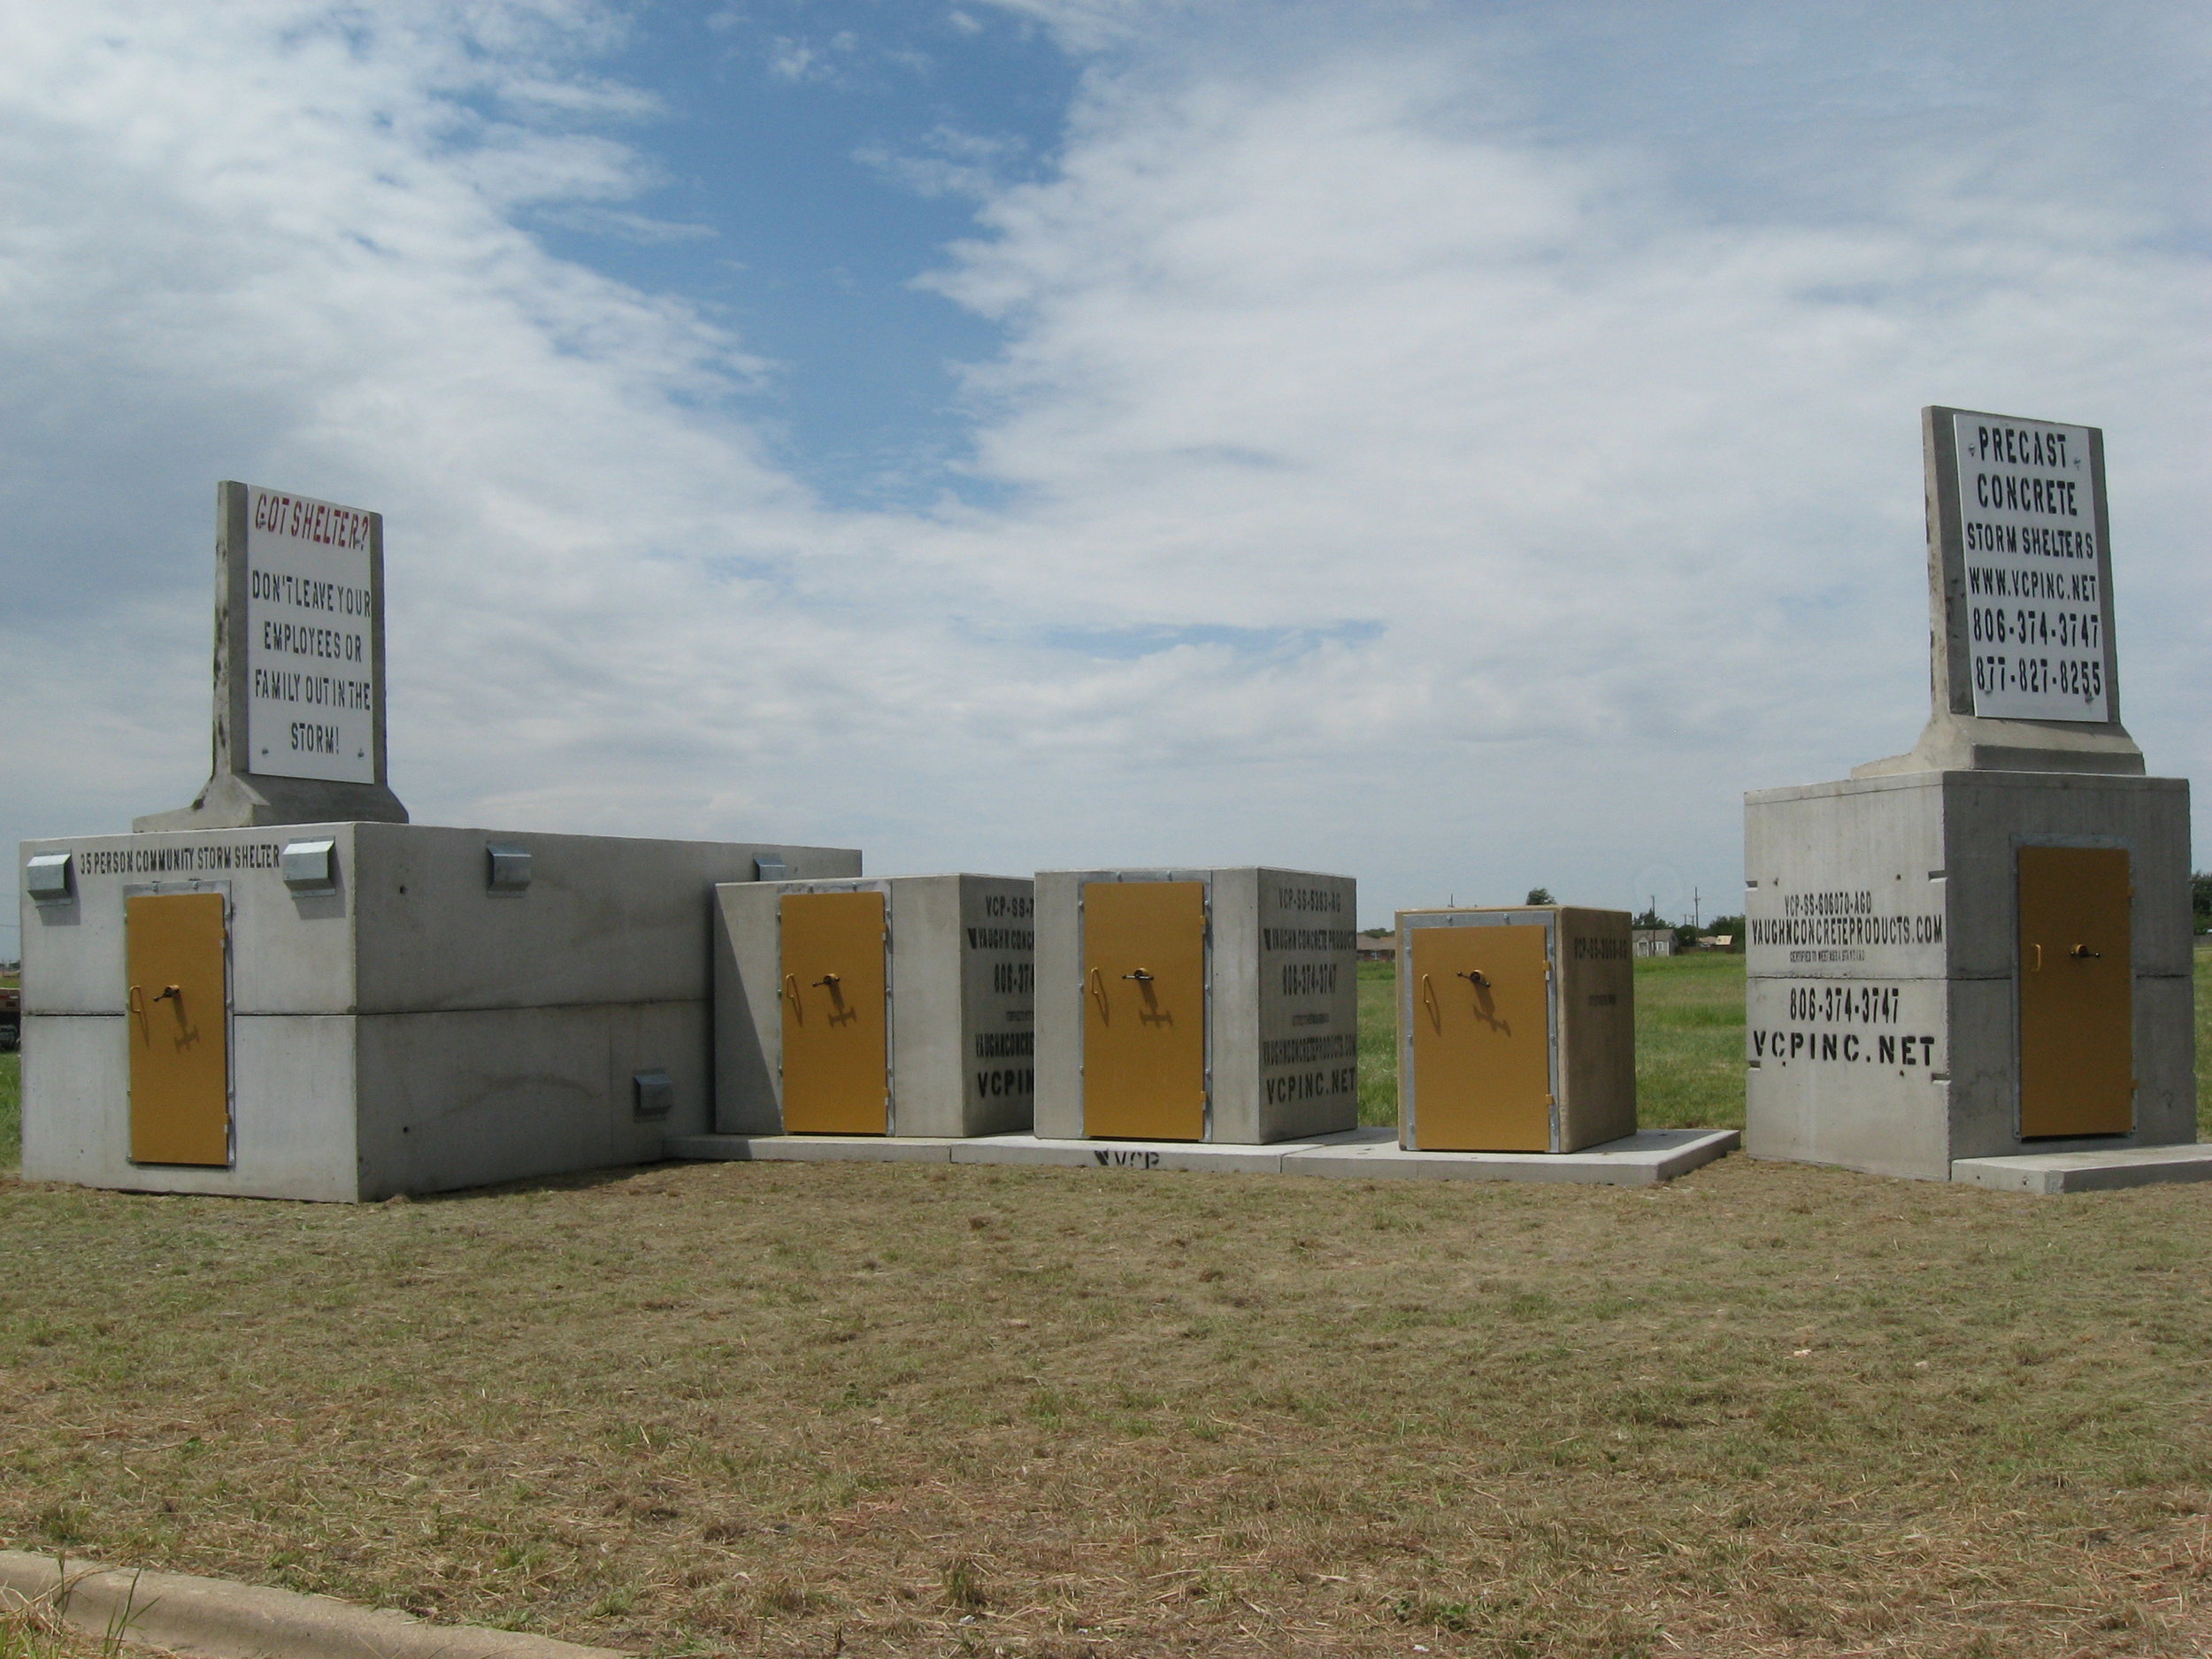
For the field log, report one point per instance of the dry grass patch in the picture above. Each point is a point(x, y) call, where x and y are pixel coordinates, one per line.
point(35, 1629)
point(796, 1409)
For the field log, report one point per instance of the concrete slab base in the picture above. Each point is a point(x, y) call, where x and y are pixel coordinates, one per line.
point(2046, 1172)
point(1643, 1159)
point(810, 1148)
point(1646, 1159)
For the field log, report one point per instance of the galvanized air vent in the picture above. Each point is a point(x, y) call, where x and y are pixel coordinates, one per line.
point(310, 866)
point(508, 868)
point(49, 878)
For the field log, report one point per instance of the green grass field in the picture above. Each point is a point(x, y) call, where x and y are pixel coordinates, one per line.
point(11, 1110)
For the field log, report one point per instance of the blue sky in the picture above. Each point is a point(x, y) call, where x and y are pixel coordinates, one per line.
point(1460, 446)
point(807, 163)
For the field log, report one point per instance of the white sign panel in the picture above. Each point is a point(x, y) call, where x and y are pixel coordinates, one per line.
point(2034, 574)
point(310, 662)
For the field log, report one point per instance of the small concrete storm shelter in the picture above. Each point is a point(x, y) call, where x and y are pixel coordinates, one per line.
point(1206, 1005)
point(1519, 1029)
point(899, 1005)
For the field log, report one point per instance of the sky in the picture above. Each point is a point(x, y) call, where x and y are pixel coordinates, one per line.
point(1463, 447)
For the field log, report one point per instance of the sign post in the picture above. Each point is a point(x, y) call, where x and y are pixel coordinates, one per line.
point(299, 667)
point(2024, 669)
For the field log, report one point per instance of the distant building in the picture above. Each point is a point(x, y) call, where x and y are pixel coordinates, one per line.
point(1653, 941)
point(1373, 948)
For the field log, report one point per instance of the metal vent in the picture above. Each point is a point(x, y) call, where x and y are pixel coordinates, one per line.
point(310, 866)
point(507, 868)
point(655, 1095)
point(50, 877)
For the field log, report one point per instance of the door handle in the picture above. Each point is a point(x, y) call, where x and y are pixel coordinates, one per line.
point(1473, 976)
point(830, 980)
point(2082, 953)
point(1140, 975)
point(1098, 988)
point(791, 986)
point(2037, 965)
point(168, 991)
point(1428, 996)
point(136, 1001)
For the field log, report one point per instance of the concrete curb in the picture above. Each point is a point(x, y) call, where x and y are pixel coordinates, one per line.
point(212, 1619)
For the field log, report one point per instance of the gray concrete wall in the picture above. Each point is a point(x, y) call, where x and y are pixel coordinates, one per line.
point(998, 1005)
point(1597, 1028)
point(928, 1035)
point(605, 918)
point(1059, 1100)
point(1885, 1038)
point(1812, 978)
point(748, 1019)
point(1235, 995)
point(290, 954)
point(465, 1099)
point(293, 1070)
point(293, 1085)
point(1304, 1018)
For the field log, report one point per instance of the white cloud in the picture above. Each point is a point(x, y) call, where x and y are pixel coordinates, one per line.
point(1386, 478)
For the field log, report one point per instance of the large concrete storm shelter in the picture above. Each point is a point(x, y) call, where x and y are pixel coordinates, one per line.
point(287, 990)
point(1973, 961)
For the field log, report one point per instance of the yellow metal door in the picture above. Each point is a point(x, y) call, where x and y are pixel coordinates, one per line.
point(1481, 1020)
point(836, 1076)
point(178, 1008)
point(2076, 992)
point(1144, 1009)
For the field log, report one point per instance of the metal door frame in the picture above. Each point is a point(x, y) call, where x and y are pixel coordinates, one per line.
point(2105, 843)
point(1205, 879)
point(166, 889)
point(1410, 1129)
point(851, 884)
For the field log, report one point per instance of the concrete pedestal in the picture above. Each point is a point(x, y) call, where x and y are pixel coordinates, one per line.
point(405, 1009)
point(1884, 966)
point(1279, 1005)
point(961, 959)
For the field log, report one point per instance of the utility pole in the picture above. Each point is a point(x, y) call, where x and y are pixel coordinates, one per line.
point(1696, 903)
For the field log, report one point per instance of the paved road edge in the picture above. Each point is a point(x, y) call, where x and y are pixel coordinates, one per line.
point(213, 1618)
